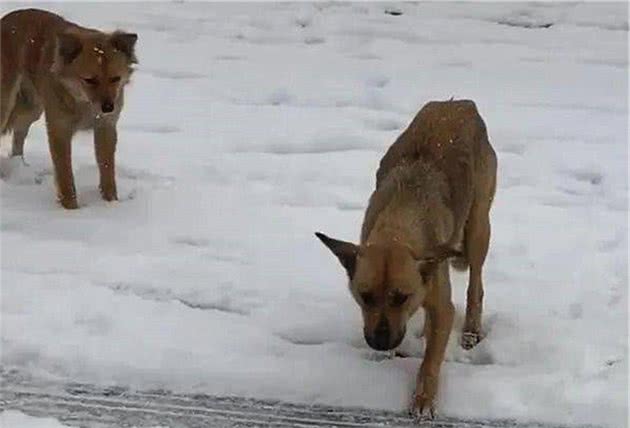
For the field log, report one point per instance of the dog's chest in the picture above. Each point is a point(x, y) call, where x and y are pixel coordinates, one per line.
point(89, 117)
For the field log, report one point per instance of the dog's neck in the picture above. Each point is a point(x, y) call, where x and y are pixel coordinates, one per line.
point(406, 219)
point(400, 225)
point(65, 99)
point(409, 206)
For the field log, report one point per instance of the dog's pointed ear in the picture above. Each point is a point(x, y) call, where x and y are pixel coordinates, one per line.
point(346, 252)
point(125, 43)
point(68, 47)
point(428, 263)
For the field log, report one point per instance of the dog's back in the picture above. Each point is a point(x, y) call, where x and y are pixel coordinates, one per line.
point(26, 36)
point(449, 137)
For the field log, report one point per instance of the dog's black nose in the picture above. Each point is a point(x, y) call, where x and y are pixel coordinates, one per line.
point(107, 107)
point(380, 339)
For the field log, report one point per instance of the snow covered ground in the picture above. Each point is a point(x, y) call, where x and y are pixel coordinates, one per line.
point(14, 419)
point(249, 127)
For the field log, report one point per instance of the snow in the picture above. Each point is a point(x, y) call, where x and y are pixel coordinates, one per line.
point(249, 127)
point(15, 419)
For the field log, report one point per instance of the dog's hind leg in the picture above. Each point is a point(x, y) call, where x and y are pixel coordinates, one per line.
point(9, 87)
point(460, 263)
point(26, 111)
point(476, 242)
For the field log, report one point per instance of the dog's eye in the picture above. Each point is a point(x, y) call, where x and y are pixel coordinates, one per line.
point(368, 299)
point(398, 299)
point(91, 81)
point(115, 79)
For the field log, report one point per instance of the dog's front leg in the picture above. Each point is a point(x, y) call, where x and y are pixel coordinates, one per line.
point(105, 137)
point(60, 144)
point(441, 320)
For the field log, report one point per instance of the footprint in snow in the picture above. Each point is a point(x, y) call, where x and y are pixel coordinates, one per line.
point(148, 292)
point(587, 175)
point(457, 64)
point(513, 148)
point(175, 75)
point(393, 11)
point(157, 181)
point(280, 96)
point(152, 128)
point(191, 241)
point(314, 40)
point(378, 81)
point(301, 341)
point(229, 58)
point(350, 206)
point(385, 124)
point(16, 170)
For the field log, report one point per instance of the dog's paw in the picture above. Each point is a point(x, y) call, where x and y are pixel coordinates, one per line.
point(422, 408)
point(423, 405)
point(108, 193)
point(69, 204)
point(109, 197)
point(470, 339)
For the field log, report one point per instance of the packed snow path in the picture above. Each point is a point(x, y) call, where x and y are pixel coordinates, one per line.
point(249, 127)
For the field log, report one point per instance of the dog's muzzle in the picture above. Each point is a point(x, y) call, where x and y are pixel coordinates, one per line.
point(107, 107)
point(381, 338)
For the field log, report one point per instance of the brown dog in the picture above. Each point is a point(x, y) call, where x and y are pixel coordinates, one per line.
point(434, 189)
point(73, 74)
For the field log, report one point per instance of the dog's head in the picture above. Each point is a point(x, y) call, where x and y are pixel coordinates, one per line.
point(389, 282)
point(95, 66)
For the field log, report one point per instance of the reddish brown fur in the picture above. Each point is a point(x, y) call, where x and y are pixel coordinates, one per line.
point(433, 194)
point(76, 76)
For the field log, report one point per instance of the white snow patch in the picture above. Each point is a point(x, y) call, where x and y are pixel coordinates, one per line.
point(16, 419)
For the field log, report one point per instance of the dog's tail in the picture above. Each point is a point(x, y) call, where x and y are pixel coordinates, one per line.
point(459, 263)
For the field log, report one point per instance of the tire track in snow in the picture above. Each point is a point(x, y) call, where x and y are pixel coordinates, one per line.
point(89, 405)
point(79, 404)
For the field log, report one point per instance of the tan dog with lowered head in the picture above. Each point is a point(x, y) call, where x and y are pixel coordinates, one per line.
point(76, 76)
point(434, 189)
